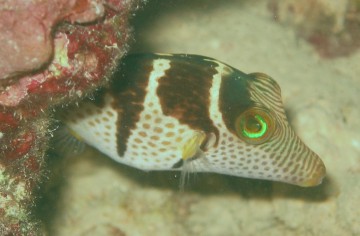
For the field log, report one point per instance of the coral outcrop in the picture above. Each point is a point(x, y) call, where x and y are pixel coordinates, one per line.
point(53, 52)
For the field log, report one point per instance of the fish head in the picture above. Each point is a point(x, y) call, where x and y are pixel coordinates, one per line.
point(255, 139)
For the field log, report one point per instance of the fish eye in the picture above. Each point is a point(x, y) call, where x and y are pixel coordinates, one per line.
point(255, 125)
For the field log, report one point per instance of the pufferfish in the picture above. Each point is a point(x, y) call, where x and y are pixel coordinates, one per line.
point(194, 113)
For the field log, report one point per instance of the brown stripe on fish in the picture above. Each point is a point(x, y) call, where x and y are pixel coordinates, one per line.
point(234, 97)
point(128, 90)
point(184, 92)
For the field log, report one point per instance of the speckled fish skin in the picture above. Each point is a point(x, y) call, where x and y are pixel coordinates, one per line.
point(169, 111)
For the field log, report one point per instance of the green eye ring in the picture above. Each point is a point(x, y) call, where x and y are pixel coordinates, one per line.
point(255, 125)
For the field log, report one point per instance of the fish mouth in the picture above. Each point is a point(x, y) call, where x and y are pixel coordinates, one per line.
point(316, 177)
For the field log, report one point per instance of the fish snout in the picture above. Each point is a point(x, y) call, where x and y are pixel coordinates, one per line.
point(316, 172)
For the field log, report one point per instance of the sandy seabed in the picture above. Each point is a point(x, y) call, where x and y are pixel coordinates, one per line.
point(93, 195)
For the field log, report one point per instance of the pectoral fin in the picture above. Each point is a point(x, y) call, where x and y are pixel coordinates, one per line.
point(193, 149)
point(191, 146)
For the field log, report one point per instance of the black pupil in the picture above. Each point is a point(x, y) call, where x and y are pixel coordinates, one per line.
point(253, 125)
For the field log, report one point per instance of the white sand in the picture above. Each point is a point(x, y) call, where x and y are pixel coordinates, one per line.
point(100, 197)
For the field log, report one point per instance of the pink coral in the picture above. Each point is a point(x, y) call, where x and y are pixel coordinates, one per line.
point(26, 28)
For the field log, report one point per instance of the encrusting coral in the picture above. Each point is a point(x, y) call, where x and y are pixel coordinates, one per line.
point(48, 57)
